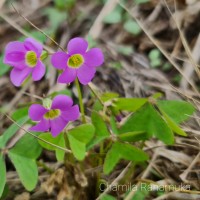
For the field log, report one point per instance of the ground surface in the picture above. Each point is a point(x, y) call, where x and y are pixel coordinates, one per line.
point(131, 69)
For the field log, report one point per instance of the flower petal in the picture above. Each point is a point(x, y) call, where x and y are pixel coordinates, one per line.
point(62, 102)
point(17, 76)
point(42, 126)
point(71, 114)
point(67, 76)
point(38, 71)
point(32, 45)
point(77, 45)
point(94, 57)
point(36, 112)
point(85, 74)
point(15, 59)
point(57, 125)
point(15, 46)
point(15, 54)
point(59, 60)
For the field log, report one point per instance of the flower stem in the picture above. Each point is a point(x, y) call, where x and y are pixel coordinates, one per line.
point(80, 101)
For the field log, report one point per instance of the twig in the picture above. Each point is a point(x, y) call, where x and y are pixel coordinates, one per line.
point(22, 31)
point(156, 43)
point(119, 177)
point(37, 28)
point(96, 28)
point(35, 136)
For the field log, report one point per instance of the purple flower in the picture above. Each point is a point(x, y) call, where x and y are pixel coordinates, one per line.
point(55, 115)
point(24, 57)
point(78, 62)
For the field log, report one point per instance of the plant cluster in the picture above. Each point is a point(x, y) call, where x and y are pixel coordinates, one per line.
point(119, 126)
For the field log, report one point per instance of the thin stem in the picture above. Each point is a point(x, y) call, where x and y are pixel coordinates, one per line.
point(95, 94)
point(80, 100)
point(100, 163)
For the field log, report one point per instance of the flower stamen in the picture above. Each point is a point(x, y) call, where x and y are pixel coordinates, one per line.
point(75, 61)
point(31, 58)
point(52, 114)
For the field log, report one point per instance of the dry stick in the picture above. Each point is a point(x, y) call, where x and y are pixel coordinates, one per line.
point(58, 147)
point(188, 67)
point(146, 171)
point(2, 3)
point(115, 182)
point(185, 173)
point(91, 86)
point(33, 95)
point(37, 28)
point(17, 27)
point(184, 42)
point(156, 43)
point(17, 97)
point(96, 28)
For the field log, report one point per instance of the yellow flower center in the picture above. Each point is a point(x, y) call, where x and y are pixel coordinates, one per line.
point(75, 61)
point(52, 114)
point(31, 58)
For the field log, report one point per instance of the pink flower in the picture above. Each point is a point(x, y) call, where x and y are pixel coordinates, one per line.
point(55, 115)
point(24, 57)
point(78, 62)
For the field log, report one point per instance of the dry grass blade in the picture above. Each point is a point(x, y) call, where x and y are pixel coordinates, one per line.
point(156, 43)
point(22, 31)
point(184, 42)
point(117, 179)
point(37, 28)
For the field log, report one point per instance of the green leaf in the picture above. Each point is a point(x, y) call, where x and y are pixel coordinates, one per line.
point(132, 27)
point(64, 4)
point(3, 68)
point(65, 92)
point(91, 42)
point(108, 197)
point(79, 137)
point(133, 136)
point(59, 141)
point(44, 55)
point(122, 151)
point(173, 125)
point(113, 125)
point(26, 169)
point(19, 113)
point(178, 111)
point(142, 191)
point(49, 138)
point(60, 154)
point(78, 148)
point(101, 130)
point(155, 58)
point(38, 36)
point(83, 133)
point(114, 16)
point(56, 17)
point(11, 131)
point(154, 54)
point(5, 193)
point(125, 49)
point(129, 104)
point(2, 174)
point(109, 96)
point(22, 147)
point(148, 120)
point(141, 1)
